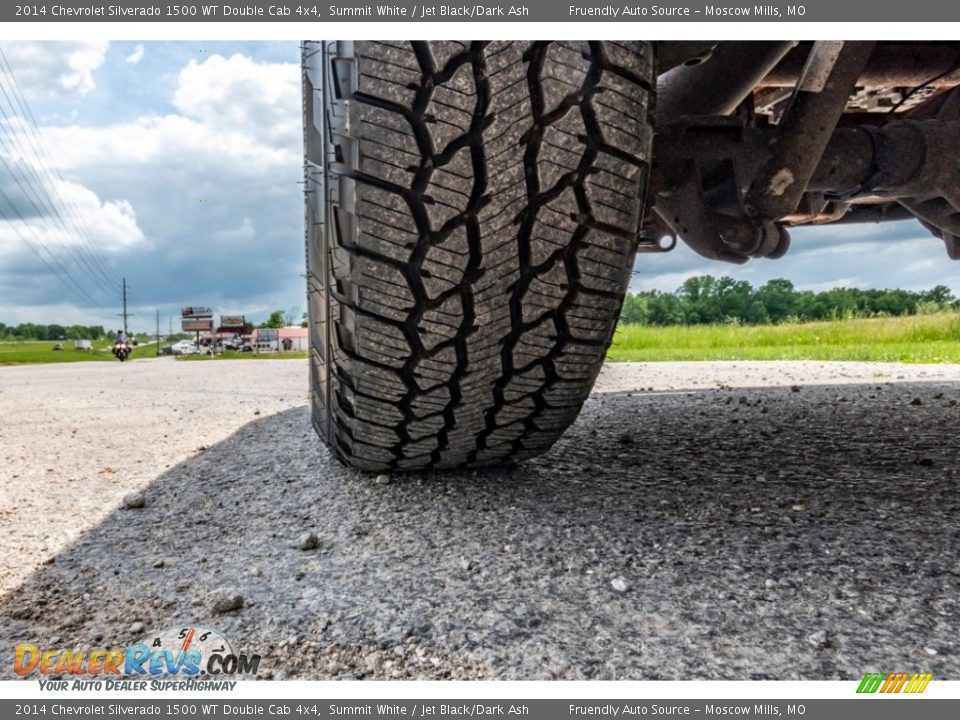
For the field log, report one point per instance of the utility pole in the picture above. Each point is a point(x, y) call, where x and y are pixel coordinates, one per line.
point(158, 333)
point(125, 314)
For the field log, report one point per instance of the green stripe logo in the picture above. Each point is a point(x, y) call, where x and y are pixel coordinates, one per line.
point(871, 682)
point(887, 683)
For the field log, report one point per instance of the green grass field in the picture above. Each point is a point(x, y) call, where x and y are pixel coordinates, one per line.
point(915, 339)
point(41, 351)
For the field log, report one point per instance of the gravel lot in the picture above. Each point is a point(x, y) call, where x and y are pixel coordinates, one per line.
point(700, 520)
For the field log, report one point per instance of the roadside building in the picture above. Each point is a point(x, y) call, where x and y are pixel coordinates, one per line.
point(285, 339)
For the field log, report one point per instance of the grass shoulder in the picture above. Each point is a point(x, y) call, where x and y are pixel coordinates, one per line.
point(27, 352)
point(933, 338)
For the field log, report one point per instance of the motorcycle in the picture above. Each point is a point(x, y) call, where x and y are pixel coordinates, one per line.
point(121, 351)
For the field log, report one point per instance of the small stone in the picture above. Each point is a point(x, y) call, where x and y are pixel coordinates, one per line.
point(742, 400)
point(308, 541)
point(625, 439)
point(373, 662)
point(464, 564)
point(159, 563)
point(134, 500)
point(55, 640)
point(930, 651)
point(799, 507)
point(334, 668)
point(925, 462)
point(382, 479)
point(224, 599)
point(819, 639)
point(769, 583)
point(619, 584)
point(137, 628)
point(794, 388)
point(916, 402)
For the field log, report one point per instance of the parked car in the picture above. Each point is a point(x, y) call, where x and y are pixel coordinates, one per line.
point(183, 347)
point(58, 346)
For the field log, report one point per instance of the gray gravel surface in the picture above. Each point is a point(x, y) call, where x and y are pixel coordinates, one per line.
point(700, 520)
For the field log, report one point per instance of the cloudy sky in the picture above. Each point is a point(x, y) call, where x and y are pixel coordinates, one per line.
point(184, 161)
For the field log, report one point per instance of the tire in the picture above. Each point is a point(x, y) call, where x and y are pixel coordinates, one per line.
point(470, 240)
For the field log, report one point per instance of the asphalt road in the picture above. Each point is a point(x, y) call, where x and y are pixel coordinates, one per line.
point(713, 520)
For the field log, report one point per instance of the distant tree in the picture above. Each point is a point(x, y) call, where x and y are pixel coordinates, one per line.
point(634, 308)
point(665, 309)
point(756, 314)
point(704, 299)
point(940, 295)
point(275, 320)
point(290, 317)
point(779, 298)
point(733, 298)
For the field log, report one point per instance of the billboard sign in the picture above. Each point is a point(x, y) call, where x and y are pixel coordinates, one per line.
point(196, 311)
point(232, 321)
point(265, 335)
point(197, 324)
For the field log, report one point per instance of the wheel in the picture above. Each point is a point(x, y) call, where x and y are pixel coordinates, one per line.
point(472, 211)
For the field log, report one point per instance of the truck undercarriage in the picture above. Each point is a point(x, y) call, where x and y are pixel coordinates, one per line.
point(756, 137)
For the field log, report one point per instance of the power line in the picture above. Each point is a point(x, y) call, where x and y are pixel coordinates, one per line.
point(63, 274)
point(42, 153)
point(34, 189)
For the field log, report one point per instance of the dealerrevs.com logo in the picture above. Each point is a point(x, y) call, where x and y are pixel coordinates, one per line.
point(189, 653)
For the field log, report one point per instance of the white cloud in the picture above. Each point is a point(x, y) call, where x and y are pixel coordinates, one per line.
point(165, 141)
point(237, 94)
point(56, 69)
point(81, 220)
point(236, 116)
point(204, 175)
point(136, 56)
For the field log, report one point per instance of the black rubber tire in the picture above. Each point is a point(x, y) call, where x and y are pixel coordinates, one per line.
point(470, 242)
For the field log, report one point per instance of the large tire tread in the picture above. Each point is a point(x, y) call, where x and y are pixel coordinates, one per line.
point(481, 208)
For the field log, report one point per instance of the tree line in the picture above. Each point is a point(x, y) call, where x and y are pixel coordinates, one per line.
point(34, 331)
point(706, 300)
